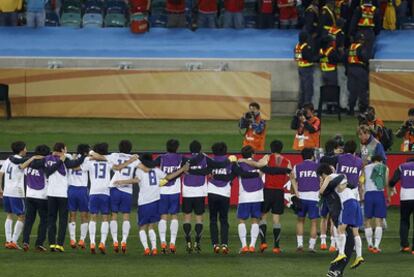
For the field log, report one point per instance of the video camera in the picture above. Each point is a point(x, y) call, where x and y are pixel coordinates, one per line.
point(409, 124)
point(249, 118)
point(365, 118)
point(300, 112)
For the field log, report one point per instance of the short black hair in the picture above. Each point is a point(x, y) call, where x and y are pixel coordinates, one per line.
point(59, 146)
point(350, 147)
point(331, 145)
point(42, 150)
point(219, 148)
point(195, 146)
point(83, 149)
point(255, 104)
point(172, 145)
point(411, 112)
point(101, 148)
point(276, 146)
point(125, 146)
point(18, 146)
point(324, 168)
point(308, 106)
point(377, 158)
point(307, 153)
point(247, 152)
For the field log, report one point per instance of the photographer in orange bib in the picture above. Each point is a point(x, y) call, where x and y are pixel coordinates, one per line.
point(255, 128)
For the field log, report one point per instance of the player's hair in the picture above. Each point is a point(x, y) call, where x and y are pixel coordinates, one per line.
point(324, 168)
point(42, 150)
point(411, 112)
point(364, 129)
point(195, 146)
point(377, 158)
point(59, 146)
point(101, 148)
point(18, 146)
point(307, 153)
point(350, 147)
point(330, 146)
point(219, 148)
point(255, 105)
point(172, 145)
point(125, 146)
point(83, 149)
point(276, 146)
point(247, 152)
point(308, 106)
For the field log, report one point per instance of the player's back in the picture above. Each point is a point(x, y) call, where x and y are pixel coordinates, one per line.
point(99, 174)
point(149, 185)
point(13, 179)
point(125, 173)
point(77, 177)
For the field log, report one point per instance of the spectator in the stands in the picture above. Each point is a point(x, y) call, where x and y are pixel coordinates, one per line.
point(233, 14)
point(207, 13)
point(266, 14)
point(35, 13)
point(8, 12)
point(176, 14)
point(288, 14)
point(390, 16)
point(139, 6)
point(327, 17)
point(311, 23)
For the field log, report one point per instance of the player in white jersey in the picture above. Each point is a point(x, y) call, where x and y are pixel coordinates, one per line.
point(121, 197)
point(149, 180)
point(13, 195)
point(99, 200)
point(78, 198)
point(350, 215)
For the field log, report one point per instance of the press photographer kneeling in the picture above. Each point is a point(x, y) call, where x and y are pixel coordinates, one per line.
point(307, 127)
point(255, 133)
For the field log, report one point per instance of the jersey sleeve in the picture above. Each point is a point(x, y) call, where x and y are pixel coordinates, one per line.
point(112, 158)
point(3, 168)
point(294, 171)
point(86, 165)
point(160, 174)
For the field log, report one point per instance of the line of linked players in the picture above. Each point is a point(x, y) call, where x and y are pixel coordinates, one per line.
point(54, 185)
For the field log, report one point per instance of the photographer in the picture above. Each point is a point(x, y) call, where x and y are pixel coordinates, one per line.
point(375, 124)
point(255, 133)
point(406, 132)
point(307, 127)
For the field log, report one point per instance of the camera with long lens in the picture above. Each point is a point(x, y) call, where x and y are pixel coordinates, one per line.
point(300, 112)
point(410, 126)
point(365, 118)
point(249, 117)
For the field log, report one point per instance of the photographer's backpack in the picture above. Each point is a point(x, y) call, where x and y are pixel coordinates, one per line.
point(387, 138)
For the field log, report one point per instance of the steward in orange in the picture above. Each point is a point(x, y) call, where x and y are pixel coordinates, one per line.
point(406, 132)
point(327, 17)
point(255, 126)
point(338, 36)
point(328, 60)
point(308, 128)
point(304, 58)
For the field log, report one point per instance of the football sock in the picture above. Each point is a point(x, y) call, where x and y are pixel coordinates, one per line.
point(312, 242)
point(242, 234)
point(299, 239)
point(173, 230)
point(368, 236)
point(263, 230)
point(187, 232)
point(143, 238)
point(153, 238)
point(18, 228)
point(162, 229)
point(378, 236)
point(199, 230)
point(126, 226)
point(277, 228)
point(254, 233)
point(72, 230)
point(341, 240)
point(92, 231)
point(332, 241)
point(323, 239)
point(114, 230)
point(83, 231)
point(358, 246)
point(8, 229)
point(104, 231)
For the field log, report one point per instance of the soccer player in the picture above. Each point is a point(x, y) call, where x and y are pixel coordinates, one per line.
point(375, 176)
point(13, 195)
point(194, 193)
point(121, 197)
point(78, 199)
point(149, 179)
point(306, 185)
point(99, 200)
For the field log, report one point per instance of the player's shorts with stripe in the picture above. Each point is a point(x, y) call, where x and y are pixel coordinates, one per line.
point(351, 213)
point(375, 205)
point(120, 201)
point(323, 209)
point(169, 204)
point(196, 204)
point(78, 199)
point(14, 205)
point(99, 204)
point(309, 208)
point(274, 201)
point(149, 213)
point(249, 210)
